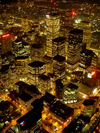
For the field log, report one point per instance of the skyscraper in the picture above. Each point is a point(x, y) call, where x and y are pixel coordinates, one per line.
point(52, 29)
point(73, 51)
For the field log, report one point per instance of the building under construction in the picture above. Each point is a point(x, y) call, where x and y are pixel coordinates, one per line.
point(52, 31)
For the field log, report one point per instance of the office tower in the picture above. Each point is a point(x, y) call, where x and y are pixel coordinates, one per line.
point(73, 51)
point(6, 43)
point(37, 52)
point(85, 60)
point(87, 35)
point(59, 66)
point(68, 26)
point(58, 46)
point(89, 107)
point(21, 68)
point(49, 64)
point(70, 93)
point(68, 21)
point(59, 89)
point(44, 83)
point(34, 70)
point(20, 48)
point(52, 30)
point(56, 117)
point(25, 100)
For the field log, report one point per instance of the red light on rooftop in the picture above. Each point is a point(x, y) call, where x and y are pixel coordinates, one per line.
point(6, 35)
point(23, 124)
point(93, 73)
point(73, 13)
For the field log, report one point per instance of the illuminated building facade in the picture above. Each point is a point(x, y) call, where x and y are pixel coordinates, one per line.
point(49, 64)
point(25, 99)
point(6, 43)
point(70, 93)
point(52, 30)
point(44, 84)
point(73, 51)
point(89, 107)
point(58, 46)
point(21, 68)
point(85, 60)
point(57, 117)
point(34, 70)
point(68, 21)
point(20, 48)
point(59, 89)
point(87, 36)
point(59, 66)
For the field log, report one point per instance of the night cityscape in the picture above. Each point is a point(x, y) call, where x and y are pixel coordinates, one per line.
point(49, 66)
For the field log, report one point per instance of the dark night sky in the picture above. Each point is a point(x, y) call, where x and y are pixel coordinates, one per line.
point(7, 1)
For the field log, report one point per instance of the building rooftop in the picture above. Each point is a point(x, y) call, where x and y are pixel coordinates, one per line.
point(59, 39)
point(21, 57)
point(49, 98)
point(33, 89)
point(44, 77)
point(72, 86)
point(4, 68)
point(22, 85)
point(61, 110)
point(59, 58)
point(89, 102)
point(87, 52)
point(76, 31)
point(36, 64)
point(25, 97)
point(35, 45)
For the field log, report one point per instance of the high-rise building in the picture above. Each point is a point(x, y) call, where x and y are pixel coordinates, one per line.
point(44, 84)
point(85, 60)
point(59, 89)
point(89, 107)
point(70, 93)
point(58, 46)
point(49, 64)
point(34, 70)
point(6, 43)
point(52, 30)
point(59, 66)
point(73, 51)
point(87, 35)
